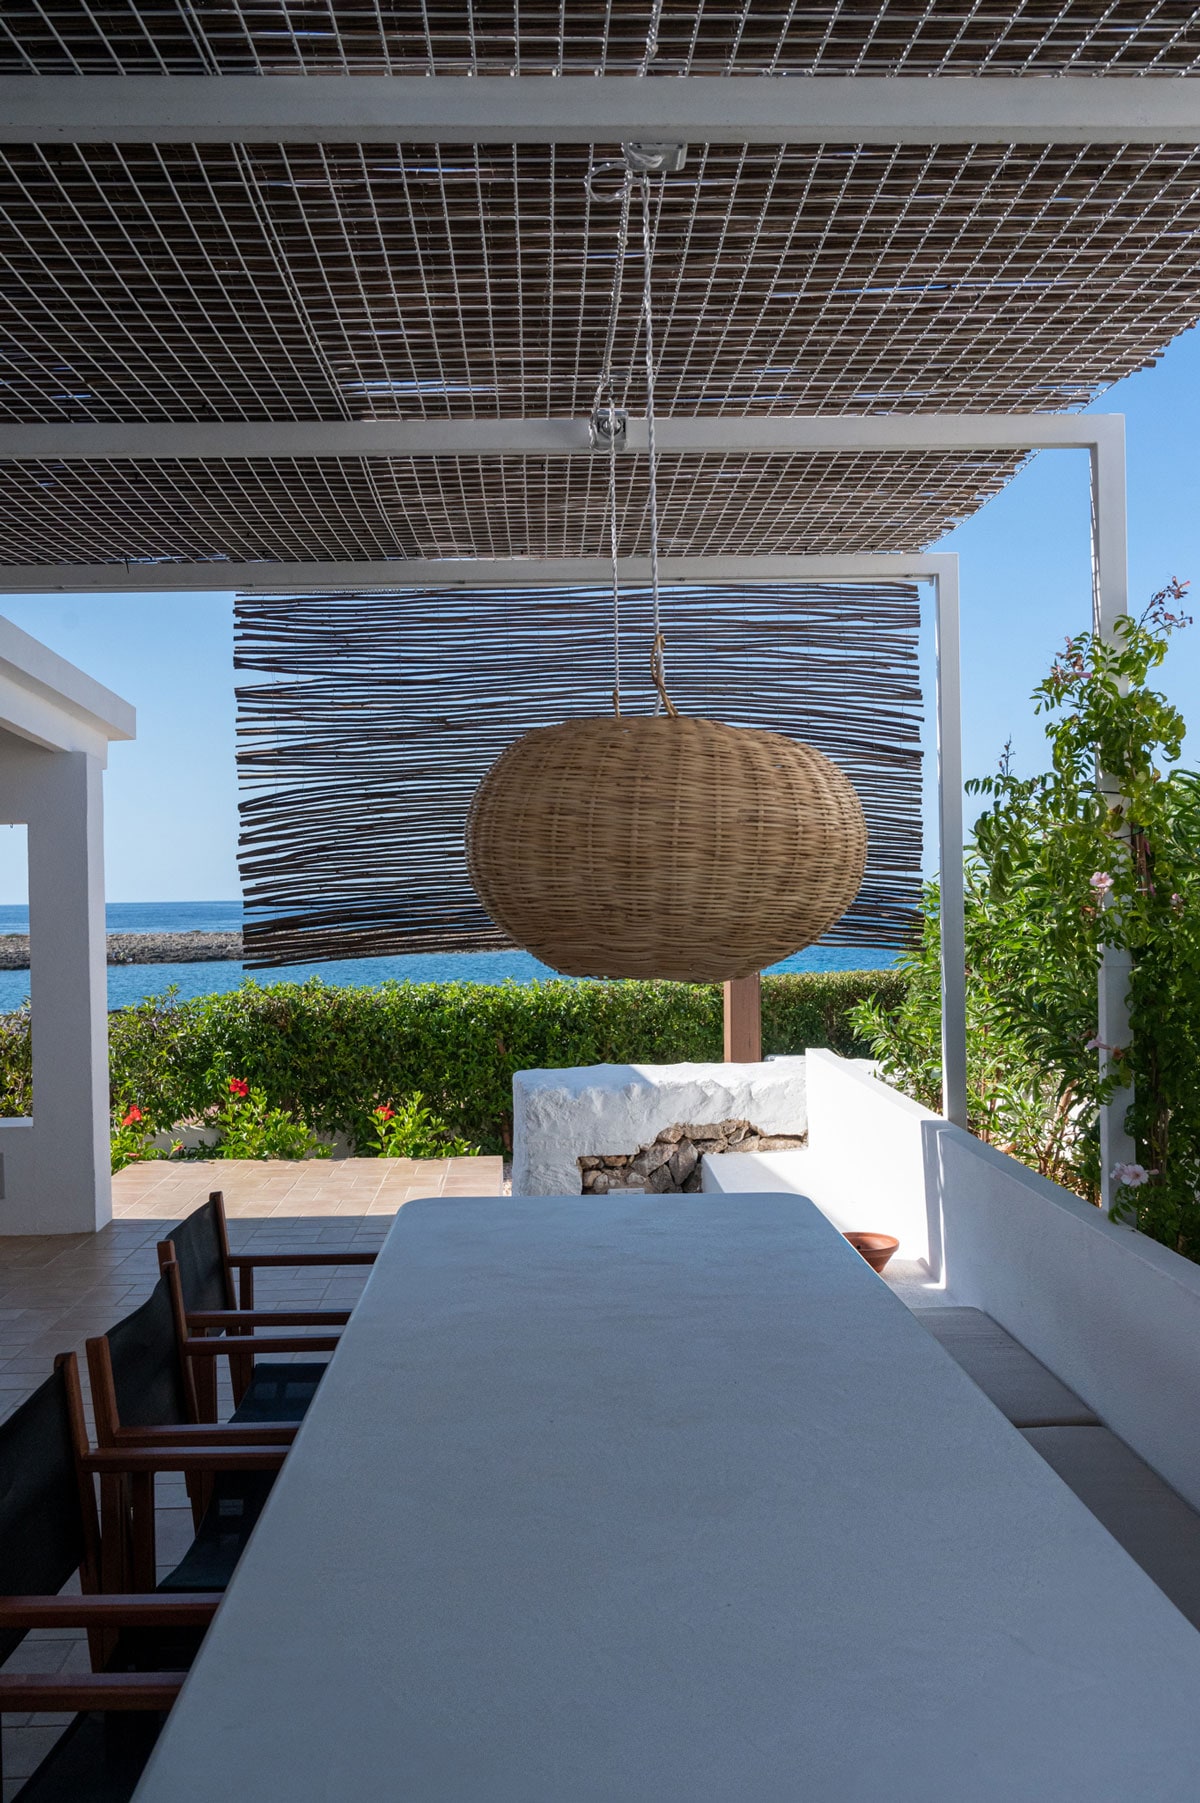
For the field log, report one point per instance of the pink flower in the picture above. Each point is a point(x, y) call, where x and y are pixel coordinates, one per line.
point(132, 1115)
point(1101, 882)
point(1096, 1044)
point(238, 1086)
point(1132, 1176)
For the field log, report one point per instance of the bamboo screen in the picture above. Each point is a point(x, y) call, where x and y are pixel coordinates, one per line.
point(359, 754)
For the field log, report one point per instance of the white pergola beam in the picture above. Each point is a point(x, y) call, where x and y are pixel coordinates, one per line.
point(938, 568)
point(601, 109)
point(467, 572)
point(720, 435)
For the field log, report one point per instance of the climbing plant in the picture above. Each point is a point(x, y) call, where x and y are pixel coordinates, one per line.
point(1059, 868)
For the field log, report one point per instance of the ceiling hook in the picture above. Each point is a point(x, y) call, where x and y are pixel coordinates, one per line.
point(654, 159)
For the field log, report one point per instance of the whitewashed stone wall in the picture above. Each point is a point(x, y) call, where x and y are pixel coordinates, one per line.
point(561, 1116)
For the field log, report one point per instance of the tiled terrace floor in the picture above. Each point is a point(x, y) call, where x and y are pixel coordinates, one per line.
point(55, 1292)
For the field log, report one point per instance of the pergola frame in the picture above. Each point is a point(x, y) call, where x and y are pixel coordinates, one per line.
point(926, 110)
point(1101, 435)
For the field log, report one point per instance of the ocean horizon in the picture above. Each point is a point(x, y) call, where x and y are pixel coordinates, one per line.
point(132, 983)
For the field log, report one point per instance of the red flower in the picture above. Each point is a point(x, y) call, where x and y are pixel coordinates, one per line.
point(238, 1086)
point(133, 1113)
point(385, 1113)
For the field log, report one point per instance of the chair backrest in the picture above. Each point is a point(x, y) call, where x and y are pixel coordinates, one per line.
point(44, 1533)
point(148, 1381)
point(200, 1249)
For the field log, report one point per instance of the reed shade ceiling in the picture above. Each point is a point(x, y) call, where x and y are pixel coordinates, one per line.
point(407, 37)
point(358, 757)
point(342, 282)
point(175, 283)
point(479, 507)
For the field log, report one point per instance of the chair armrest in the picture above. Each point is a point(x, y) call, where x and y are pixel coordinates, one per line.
point(180, 1610)
point(239, 1319)
point(110, 1461)
point(226, 1345)
point(268, 1260)
point(205, 1433)
point(89, 1690)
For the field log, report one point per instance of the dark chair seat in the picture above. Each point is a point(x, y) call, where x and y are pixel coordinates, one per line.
point(198, 1247)
point(140, 1379)
point(279, 1391)
point(225, 1527)
point(97, 1759)
point(1019, 1384)
point(1143, 1514)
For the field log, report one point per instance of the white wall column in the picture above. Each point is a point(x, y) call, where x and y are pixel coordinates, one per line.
point(68, 986)
point(1110, 591)
point(56, 1166)
point(56, 725)
point(950, 847)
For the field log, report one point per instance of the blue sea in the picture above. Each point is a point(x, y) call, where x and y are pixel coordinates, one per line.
point(129, 983)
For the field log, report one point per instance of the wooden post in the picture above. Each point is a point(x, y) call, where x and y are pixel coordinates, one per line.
point(743, 1020)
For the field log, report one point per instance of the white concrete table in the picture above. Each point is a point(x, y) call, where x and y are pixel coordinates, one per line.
point(669, 1500)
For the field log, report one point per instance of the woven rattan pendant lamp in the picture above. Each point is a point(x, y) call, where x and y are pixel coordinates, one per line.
point(662, 846)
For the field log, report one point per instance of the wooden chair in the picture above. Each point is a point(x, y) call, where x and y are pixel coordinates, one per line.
point(212, 1305)
point(142, 1397)
point(141, 1644)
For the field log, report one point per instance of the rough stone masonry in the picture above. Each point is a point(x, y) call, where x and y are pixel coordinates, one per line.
point(670, 1164)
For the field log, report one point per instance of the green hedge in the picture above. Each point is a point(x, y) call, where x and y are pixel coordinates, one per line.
point(333, 1054)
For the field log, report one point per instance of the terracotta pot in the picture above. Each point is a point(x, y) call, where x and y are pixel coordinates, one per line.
point(876, 1248)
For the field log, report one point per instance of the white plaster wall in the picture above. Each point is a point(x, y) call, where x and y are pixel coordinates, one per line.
point(1114, 1314)
point(560, 1116)
point(863, 1164)
point(18, 1172)
point(59, 1180)
point(852, 1208)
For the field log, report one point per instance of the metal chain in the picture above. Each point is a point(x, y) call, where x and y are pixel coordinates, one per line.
point(651, 50)
point(614, 302)
point(612, 545)
point(606, 400)
point(651, 449)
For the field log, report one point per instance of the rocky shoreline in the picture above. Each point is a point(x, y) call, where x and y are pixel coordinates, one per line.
point(140, 948)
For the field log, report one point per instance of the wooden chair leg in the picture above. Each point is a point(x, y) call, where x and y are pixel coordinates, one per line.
point(241, 1365)
point(115, 1547)
point(144, 1560)
point(204, 1388)
point(204, 1374)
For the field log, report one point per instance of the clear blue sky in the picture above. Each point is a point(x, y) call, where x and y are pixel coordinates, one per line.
point(172, 795)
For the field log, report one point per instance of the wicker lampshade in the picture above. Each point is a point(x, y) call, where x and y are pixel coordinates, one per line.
point(664, 847)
